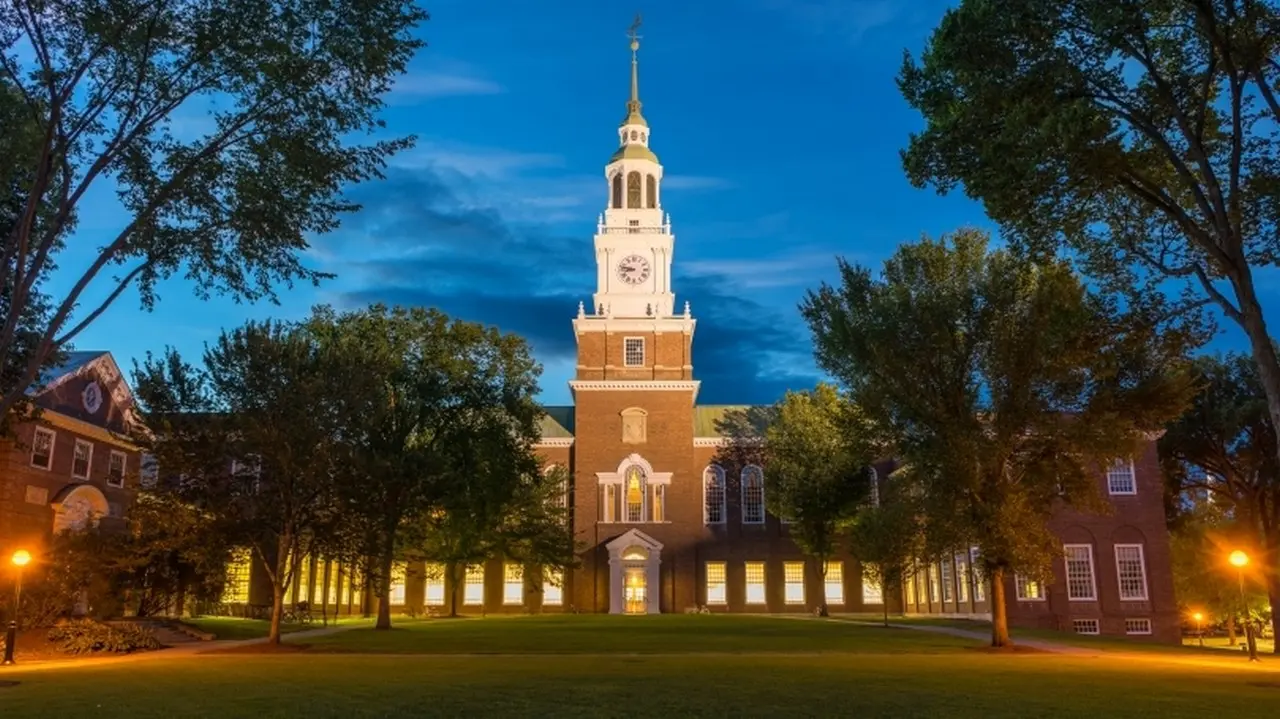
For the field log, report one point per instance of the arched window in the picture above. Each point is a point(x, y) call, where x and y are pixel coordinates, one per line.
point(752, 495)
point(633, 191)
point(617, 191)
point(713, 495)
point(875, 488)
point(634, 494)
point(651, 192)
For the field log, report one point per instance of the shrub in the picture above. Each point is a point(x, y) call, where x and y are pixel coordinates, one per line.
point(85, 636)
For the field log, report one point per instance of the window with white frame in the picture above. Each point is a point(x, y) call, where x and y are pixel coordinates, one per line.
point(115, 469)
point(396, 595)
point(752, 495)
point(962, 578)
point(833, 583)
point(1085, 626)
point(872, 592)
point(713, 495)
point(473, 586)
point(552, 586)
point(1131, 568)
point(512, 583)
point(1028, 589)
point(1137, 626)
point(609, 503)
point(634, 490)
point(633, 351)
point(755, 583)
point(557, 474)
point(1120, 479)
point(793, 582)
point(1080, 581)
point(979, 578)
point(716, 585)
point(434, 575)
point(82, 459)
point(946, 580)
point(658, 503)
point(42, 448)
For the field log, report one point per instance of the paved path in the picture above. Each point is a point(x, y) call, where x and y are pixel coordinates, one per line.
point(979, 636)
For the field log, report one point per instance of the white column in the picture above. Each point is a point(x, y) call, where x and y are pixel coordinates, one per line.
point(616, 605)
point(653, 584)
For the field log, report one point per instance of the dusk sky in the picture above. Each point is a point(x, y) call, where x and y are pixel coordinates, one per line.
point(778, 123)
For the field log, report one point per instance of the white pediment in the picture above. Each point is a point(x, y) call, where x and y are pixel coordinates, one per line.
point(632, 538)
point(650, 476)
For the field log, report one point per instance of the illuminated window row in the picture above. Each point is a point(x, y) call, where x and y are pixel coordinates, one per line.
point(793, 584)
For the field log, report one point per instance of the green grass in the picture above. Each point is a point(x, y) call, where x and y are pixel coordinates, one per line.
point(787, 667)
point(237, 628)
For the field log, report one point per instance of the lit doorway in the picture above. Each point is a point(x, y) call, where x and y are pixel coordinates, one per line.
point(634, 591)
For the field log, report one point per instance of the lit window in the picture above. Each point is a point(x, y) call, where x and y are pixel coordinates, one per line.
point(911, 588)
point(552, 586)
point(513, 584)
point(473, 589)
point(1120, 478)
point(1132, 572)
point(1085, 626)
point(872, 593)
point(948, 586)
point(962, 576)
point(434, 575)
point(633, 351)
point(635, 494)
point(318, 583)
point(396, 595)
point(716, 593)
point(931, 576)
point(979, 579)
point(755, 582)
point(752, 495)
point(609, 506)
point(793, 582)
point(1028, 590)
point(659, 502)
point(42, 448)
point(713, 495)
point(235, 589)
point(1080, 585)
point(1137, 626)
point(83, 459)
point(115, 470)
point(303, 583)
point(833, 583)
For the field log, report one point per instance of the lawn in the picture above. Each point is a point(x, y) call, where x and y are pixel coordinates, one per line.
point(774, 667)
point(237, 628)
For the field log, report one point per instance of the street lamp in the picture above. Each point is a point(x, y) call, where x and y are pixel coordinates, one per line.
point(1238, 560)
point(1199, 630)
point(20, 559)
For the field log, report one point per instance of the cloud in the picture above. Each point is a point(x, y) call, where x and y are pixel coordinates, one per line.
point(421, 241)
point(852, 19)
point(761, 272)
point(694, 182)
point(445, 78)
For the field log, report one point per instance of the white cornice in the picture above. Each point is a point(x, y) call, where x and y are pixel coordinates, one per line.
point(643, 385)
point(597, 323)
point(710, 442)
point(553, 442)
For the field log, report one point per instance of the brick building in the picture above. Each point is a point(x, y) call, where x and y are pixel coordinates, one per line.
point(667, 528)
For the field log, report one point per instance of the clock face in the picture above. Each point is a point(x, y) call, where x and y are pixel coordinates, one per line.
point(92, 397)
point(633, 269)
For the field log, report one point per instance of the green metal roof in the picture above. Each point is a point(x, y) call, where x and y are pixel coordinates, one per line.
point(558, 422)
point(706, 418)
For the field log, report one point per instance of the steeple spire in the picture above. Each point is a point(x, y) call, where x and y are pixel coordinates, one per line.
point(633, 105)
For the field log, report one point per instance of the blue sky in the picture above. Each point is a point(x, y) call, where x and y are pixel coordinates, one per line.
point(778, 123)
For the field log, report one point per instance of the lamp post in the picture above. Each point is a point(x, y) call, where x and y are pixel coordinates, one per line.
point(1199, 627)
point(20, 559)
point(1238, 560)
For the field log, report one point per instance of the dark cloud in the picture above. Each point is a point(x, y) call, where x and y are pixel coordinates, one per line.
point(417, 243)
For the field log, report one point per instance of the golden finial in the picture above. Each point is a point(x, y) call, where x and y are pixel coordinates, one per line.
point(633, 106)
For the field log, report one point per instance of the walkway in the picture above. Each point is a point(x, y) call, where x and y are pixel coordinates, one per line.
point(980, 636)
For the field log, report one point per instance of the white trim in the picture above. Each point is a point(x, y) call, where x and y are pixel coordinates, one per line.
point(604, 323)
point(1091, 626)
point(53, 442)
point(650, 476)
point(643, 352)
point(1133, 477)
point(554, 442)
point(88, 465)
point(742, 507)
point(710, 442)
point(1093, 574)
point(1142, 565)
point(1137, 628)
point(634, 385)
point(114, 383)
point(720, 475)
point(124, 468)
point(617, 570)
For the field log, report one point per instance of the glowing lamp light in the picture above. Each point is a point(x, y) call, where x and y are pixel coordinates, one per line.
point(21, 558)
point(1197, 616)
point(1238, 558)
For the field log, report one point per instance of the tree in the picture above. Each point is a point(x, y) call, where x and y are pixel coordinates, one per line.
point(1002, 382)
point(818, 454)
point(1139, 134)
point(256, 435)
point(1223, 448)
point(888, 535)
point(111, 96)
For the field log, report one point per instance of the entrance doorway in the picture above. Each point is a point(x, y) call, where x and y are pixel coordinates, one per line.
point(633, 591)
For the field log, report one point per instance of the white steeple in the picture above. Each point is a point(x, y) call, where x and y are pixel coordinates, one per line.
point(633, 239)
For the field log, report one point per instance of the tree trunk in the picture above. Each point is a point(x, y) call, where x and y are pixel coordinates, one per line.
point(1262, 346)
point(324, 594)
point(455, 586)
point(823, 611)
point(1231, 629)
point(278, 584)
point(384, 590)
point(999, 610)
point(884, 603)
point(277, 611)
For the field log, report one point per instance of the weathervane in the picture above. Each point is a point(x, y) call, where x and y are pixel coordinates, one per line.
point(631, 33)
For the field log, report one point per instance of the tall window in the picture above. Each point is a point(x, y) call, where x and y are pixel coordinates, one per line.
point(833, 583)
point(659, 503)
point(633, 191)
point(1132, 570)
point(235, 589)
point(872, 592)
point(1080, 584)
point(512, 583)
point(609, 504)
point(962, 577)
point(752, 495)
point(716, 593)
point(1028, 589)
point(396, 595)
point(635, 494)
point(755, 583)
point(1120, 479)
point(651, 192)
point(552, 586)
point(82, 459)
point(435, 585)
point(910, 588)
point(617, 191)
point(473, 589)
point(557, 474)
point(931, 576)
point(948, 586)
point(42, 448)
point(713, 510)
point(633, 351)
point(793, 582)
point(115, 470)
point(979, 579)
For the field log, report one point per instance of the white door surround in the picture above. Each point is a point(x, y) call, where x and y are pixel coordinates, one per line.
point(634, 549)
